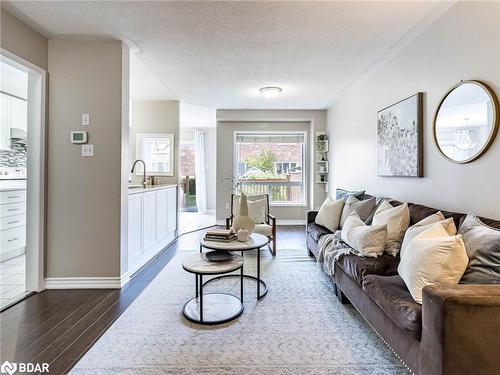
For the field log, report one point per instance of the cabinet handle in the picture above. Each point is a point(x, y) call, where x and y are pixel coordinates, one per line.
point(13, 209)
point(12, 239)
point(13, 222)
point(14, 196)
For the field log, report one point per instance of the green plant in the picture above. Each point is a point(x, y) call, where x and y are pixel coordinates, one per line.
point(264, 161)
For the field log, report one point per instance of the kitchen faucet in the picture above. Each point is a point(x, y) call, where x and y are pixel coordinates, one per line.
point(144, 170)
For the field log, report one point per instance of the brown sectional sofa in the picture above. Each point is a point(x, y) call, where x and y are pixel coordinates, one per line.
point(456, 330)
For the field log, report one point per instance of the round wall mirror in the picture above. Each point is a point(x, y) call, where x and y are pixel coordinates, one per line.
point(466, 121)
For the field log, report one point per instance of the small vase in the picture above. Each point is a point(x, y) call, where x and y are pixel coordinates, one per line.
point(243, 220)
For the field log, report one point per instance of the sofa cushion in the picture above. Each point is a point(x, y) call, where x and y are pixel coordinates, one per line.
point(392, 296)
point(317, 231)
point(359, 267)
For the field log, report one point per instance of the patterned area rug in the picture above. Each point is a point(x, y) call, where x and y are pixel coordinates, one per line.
point(298, 328)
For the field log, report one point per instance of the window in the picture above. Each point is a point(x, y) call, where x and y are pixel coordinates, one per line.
point(157, 151)
point(272, 163)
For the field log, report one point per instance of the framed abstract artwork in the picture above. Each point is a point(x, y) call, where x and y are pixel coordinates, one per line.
point(400, 138)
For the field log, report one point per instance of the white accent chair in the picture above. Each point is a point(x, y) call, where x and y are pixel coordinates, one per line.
point(267, 227)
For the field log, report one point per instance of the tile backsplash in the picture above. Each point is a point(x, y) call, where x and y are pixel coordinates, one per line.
point(15, 157)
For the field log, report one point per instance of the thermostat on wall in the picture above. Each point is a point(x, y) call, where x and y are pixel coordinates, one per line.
point(79, 137)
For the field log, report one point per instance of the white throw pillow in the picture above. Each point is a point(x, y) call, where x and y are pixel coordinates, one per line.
point(256, 209)
point(397, 220)
point(329, 214)
point(368, 240)
point(432, 257)
point(422, 225)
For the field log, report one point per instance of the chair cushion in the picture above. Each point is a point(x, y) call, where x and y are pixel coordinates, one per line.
point(264, 229)
point(359, 267)
point(317, 231)
point(392, 296)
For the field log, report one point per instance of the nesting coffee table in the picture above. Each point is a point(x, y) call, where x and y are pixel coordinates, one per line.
point(213, 308)
point(256, 242)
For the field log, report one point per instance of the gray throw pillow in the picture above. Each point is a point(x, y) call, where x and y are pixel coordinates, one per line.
point(344, 194)
point(362, 208)
point(483, 249)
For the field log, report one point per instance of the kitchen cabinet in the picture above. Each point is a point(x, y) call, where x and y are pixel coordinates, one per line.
point(12, 223)
point(152, 223)
point(134, 227)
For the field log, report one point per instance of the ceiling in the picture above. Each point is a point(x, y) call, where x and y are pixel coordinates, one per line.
point(218, 54)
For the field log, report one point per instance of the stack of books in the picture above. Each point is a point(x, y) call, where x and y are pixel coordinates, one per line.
point(220, 235)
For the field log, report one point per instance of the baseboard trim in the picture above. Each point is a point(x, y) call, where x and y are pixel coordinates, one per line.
point(290, 222)
point(278, 222)
point(85, 282)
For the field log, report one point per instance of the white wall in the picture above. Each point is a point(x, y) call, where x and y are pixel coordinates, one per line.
point(230, 120)
point(462, 44)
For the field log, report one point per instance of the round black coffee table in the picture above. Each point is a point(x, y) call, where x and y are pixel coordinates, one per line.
point(212, 308)
point(256, 242)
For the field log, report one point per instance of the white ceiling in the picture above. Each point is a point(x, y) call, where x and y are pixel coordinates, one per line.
point(144, 84)
point(218, 54)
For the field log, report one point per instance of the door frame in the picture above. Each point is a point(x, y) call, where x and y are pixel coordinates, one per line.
point(36, 167)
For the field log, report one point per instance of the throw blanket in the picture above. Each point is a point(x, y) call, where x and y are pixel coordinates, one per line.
point(330, 248)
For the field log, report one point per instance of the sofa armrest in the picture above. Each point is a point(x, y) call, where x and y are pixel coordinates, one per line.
point(311, 216)
point(460, 329)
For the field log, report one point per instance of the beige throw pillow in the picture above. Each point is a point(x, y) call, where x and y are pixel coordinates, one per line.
point(256, 209)
point(397, 220)
point(329, 214)
point(368, 240)
point(422, 225)
point(432, 257)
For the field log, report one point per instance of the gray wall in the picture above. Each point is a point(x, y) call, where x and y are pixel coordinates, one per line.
point(463, 44)
point(23, 41)
point(155, 116)
point(84, 194)
point(230, 120)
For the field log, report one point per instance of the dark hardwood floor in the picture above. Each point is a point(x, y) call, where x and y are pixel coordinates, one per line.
point(59, 326)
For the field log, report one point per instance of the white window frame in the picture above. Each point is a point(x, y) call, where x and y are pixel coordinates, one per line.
point(139, 154)
point(305, 171)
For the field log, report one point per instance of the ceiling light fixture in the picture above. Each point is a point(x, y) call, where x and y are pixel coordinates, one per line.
point(271, 92)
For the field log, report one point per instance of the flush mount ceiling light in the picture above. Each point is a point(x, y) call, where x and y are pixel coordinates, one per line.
point(271, 92)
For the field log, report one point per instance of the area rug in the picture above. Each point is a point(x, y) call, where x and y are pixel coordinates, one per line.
point(299, 327)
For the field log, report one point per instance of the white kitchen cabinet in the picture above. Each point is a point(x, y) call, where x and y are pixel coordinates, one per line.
point(161, 213)
point(152, 223)
point(149, 220)
point(12, 223)
point(134, 226)
point(171, 211)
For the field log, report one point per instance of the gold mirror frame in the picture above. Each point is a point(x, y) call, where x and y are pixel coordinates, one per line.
point(494, 129)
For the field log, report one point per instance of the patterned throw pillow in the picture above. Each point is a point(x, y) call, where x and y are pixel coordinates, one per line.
point(344, 194)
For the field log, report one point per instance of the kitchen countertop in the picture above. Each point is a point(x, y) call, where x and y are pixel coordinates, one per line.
point(11, 185)
point(149, 188)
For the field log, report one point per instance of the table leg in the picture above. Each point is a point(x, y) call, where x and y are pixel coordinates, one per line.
point(241, 284)
point(201, 249)
point(201, 299)
point(258, 273)
point(196, 277)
